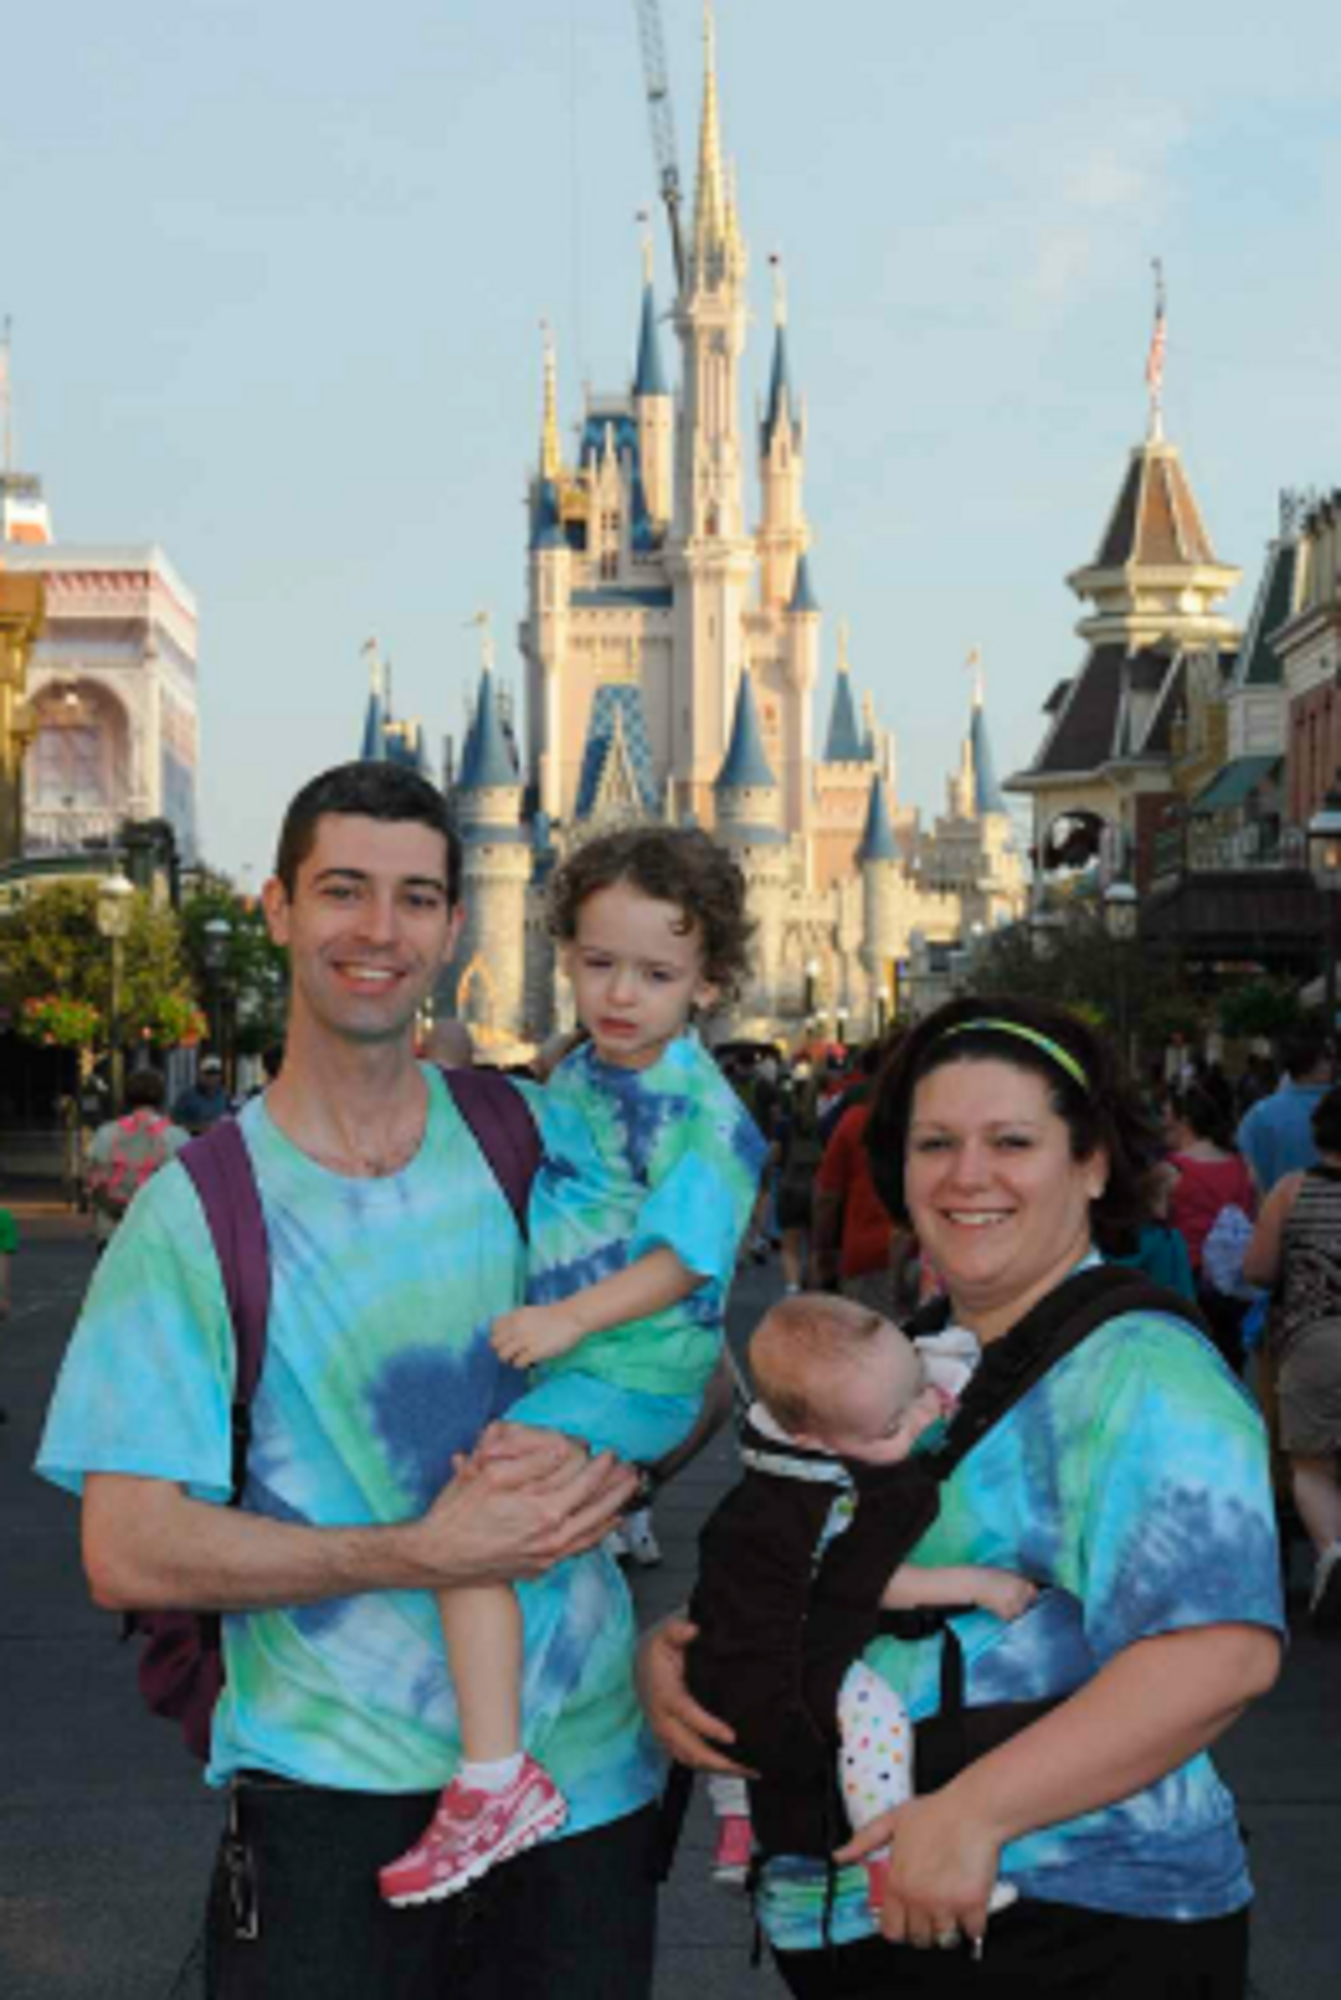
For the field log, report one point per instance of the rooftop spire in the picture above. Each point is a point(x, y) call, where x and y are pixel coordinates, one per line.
point(375, 717)
point(710, 205)
point(650, 377)
point(877, 839)
point(551, 454)
point(780, 393)
point(746, 762)
point(1154, 362)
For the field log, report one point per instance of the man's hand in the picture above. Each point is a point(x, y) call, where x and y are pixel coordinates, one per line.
point(534, 1333)
point(516, 1508)
point(683, 1729)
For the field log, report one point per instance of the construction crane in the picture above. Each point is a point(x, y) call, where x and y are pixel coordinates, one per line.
point(657, 81)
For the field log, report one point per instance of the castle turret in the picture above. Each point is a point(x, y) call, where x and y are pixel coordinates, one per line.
point(373, 748)
point(748, 805)
point(486, 983)
point(882, 900)
point(653, 408)
point(784, 534)
point(544, 636)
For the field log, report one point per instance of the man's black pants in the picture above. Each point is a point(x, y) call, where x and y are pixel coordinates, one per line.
point(294, 1912)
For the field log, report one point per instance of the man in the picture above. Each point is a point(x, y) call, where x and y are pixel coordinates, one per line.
point(1275, 1135)
point(203, 1101)
point(393, 1249)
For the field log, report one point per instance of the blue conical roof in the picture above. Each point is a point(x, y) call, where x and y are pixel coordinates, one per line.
point(780, 392)
point(487, 757)
point(877, 840)
point(988, 796)
point(746, 763)
point(803, 591)
point(845, 738)
point(374, 729)
point(650, 378)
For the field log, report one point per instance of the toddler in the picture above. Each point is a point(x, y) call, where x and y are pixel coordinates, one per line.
point(796, 1563)
point(649, 1175)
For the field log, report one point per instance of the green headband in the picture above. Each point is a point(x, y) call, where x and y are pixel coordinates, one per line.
point(1062, 1057)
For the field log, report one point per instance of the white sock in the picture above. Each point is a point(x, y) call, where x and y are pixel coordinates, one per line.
point(493, 1777)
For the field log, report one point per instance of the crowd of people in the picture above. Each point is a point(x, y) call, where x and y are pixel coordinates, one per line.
point(1004, 1559)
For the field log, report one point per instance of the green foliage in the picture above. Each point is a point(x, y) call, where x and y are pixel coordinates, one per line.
point(252, 975)
point(1076, 964)
point(1265, 1007)
point(52, 953)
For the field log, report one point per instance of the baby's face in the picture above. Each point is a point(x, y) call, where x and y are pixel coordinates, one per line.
point(876, 1407)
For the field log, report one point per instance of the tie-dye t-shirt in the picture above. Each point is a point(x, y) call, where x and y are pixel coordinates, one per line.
point(635, 1161)
point(1133, 1483)
point(378, 1369)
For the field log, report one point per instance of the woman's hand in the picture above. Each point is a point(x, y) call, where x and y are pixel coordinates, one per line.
point(942, 1870)
point(683, 1729)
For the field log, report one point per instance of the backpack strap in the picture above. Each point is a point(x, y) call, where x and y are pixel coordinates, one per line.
point(220, 1166)
point(503, 1128)
point(1057, 1325)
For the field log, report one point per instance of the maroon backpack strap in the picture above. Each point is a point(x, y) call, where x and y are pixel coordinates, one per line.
point(501, 1124)
point(220, 1167)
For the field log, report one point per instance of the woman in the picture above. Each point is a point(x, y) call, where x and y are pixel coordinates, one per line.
point(1132, 1484)
point(1297, 1247)
point(1211, 1176)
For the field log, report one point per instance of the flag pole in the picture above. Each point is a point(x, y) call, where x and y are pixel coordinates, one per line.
point(1154, 366)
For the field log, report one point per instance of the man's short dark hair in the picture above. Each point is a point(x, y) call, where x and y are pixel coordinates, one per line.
point(1303, 1049)
point(1327, 1122)
point(365, 790)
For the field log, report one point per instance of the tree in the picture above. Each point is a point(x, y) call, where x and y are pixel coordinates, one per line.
point(253, 976)
point(56, 972)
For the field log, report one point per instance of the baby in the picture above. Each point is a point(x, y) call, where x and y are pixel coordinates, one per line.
point(801, 1558)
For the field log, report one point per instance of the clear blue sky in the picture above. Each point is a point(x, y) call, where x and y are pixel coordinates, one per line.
point(277, 275)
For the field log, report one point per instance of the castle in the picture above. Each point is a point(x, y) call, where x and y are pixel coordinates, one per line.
point(671, 653)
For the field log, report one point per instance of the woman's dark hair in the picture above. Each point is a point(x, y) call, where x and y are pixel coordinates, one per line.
point(678, 865)
point(1102, 1112)
point(1327, 1122)
point(143, 1088)
point(1203, 1115)
point(365, 790)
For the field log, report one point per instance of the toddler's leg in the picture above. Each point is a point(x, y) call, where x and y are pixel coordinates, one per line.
point(500, 1802)
point(735, 1838)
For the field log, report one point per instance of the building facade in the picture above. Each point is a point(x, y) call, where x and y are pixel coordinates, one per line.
point(112, 687)
point(670, 650)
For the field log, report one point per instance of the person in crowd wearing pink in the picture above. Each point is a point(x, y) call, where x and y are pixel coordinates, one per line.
point(1211, 1177)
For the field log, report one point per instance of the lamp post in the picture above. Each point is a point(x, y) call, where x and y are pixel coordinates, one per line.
point(1324, 860)
point(840, 1026)
point(881, 1011)
point(116, 905)
point(216, 935)
point(811, 989)
point(1121, 917)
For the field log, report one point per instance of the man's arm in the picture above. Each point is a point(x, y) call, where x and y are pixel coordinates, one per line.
point(537, 1333)
point(148, 1545)
point(1261, 1259)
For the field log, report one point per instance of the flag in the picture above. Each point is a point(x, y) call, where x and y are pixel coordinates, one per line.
point(1154, 364)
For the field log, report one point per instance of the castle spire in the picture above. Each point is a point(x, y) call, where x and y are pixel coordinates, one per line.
point(781, 396)
point(551, 453)
point(373, 750)
point(711, 216)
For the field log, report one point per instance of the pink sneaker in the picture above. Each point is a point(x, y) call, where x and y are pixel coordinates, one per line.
point(735, 1849)
point(472, 1832)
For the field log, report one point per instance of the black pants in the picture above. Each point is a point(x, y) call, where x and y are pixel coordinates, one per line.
point(294, 1912)
point(1035, 1950)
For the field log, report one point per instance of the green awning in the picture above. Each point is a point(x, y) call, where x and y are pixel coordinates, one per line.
point(1231, 786)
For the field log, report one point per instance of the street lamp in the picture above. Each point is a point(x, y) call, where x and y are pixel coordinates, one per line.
point(1324, 860)
point(116, 905)
point(216, 935)
point(840, 1026)
point(1121, 917)
point(812, 986)
point(881, 1011)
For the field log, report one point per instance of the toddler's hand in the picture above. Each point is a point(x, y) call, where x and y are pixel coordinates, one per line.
point(534, 1333)
point(1005, 1593)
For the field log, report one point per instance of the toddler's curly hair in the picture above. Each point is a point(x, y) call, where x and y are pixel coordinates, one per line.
point(679, 865)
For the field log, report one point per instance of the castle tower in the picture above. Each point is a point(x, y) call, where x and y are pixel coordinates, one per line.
point(784, 533)
point(748, 807)
point(545, 635)
point(653, 408)
point(486, 982)
point(373, 747)
point(881, 884)
point(711, 557)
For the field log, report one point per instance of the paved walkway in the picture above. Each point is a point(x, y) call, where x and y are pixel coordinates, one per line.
point(105, 1832)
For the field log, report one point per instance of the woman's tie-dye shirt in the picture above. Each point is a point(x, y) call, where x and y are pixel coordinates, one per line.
point(1133, 1483)
point(639, 1160)
point(378, 1369)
